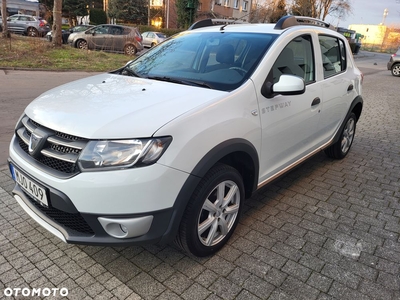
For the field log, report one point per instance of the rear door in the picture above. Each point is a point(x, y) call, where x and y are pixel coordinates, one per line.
point(117, 38)
point(146, 39)
point(338, 86)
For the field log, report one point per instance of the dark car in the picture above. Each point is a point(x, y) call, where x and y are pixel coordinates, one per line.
point(66, 33)
point(394, 64)
point(107, 37)
point(27, 25)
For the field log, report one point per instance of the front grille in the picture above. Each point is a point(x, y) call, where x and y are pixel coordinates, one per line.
point(59, 165)
point(59, 152)
point(71, 222)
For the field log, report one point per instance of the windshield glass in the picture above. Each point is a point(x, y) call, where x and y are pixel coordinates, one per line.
point(218, 60)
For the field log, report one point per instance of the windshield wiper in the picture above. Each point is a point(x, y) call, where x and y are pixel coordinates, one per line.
point(130, 72)
point(180, 81)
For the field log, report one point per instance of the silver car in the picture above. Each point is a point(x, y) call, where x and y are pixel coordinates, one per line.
point(152, 38)
point(27, 25)
point(107, 37)
point(394, 63)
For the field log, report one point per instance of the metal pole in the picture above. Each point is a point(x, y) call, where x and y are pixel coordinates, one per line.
point(148, 14)
point(167, 14)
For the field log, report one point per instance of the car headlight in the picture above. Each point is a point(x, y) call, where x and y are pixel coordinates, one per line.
point(118, 154)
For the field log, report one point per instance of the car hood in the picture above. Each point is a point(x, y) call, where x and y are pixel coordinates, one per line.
point(115, 106)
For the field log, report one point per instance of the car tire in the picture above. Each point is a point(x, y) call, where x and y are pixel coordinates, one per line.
point(130, 49)
point(32, 32)
point(82, 44)
point(396, 70)
point(340, 149)
point(152, 45)
point(209, 221)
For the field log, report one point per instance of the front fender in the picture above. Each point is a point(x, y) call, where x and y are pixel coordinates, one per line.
point(229, 152)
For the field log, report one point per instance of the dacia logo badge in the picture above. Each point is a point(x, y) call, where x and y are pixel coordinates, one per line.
point(34, 141)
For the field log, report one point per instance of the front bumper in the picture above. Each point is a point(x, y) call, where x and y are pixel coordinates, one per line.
point(78, 228)
point(129, 206)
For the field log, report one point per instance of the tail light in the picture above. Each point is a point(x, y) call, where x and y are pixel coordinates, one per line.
point(41, 23)
point(138, 38)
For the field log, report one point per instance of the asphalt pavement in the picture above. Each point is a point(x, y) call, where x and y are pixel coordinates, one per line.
point(327, 230)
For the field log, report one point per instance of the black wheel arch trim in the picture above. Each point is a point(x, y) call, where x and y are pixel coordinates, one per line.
point(215, 155)
point(356, 106)
point(222, 150)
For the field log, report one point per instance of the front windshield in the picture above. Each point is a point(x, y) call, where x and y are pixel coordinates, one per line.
point(218, 60)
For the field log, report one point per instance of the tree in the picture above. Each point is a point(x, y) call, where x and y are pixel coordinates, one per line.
point(74, 8)
point(133, 11)
point(56, 29)
point(278, 11)
point(97, 16)
point(337, 8)
point(304, 8)
point(268, 12)
point(186, 11)
point(5, 33)
point(321, 8)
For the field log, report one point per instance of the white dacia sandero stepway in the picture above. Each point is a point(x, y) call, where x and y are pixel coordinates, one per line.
point(167, 148)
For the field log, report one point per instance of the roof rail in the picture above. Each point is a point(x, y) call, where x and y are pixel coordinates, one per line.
point(213, 22)
point(288, 21)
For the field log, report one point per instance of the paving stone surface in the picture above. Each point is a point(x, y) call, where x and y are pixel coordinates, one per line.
point(327, 230)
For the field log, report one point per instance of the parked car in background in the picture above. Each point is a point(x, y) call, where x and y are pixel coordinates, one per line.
point(27, 25)
point(107, 37)
point(65, 33)
point(152, 38)
point(394, 63)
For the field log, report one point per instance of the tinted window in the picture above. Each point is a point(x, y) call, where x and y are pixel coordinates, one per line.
point(333, 55)
point(116, 30)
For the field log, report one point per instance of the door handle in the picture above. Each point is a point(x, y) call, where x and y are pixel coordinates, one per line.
point(350, 88)
point(316, 101)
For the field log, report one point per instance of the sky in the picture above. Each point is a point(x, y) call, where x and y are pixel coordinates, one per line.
point(370, 12)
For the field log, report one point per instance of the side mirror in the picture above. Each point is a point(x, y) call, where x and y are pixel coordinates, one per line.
point(287, 85)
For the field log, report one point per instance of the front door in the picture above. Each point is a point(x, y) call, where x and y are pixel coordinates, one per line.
point(98, 38)
point(290, 123)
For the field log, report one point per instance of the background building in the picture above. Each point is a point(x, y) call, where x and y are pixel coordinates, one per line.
point(226, 9)
point(378, 37)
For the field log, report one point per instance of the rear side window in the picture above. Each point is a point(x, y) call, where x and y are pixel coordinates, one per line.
point(333, 52)
point(116, 30)
point(101, 30)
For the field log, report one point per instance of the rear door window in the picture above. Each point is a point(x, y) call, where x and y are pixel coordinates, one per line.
point(333, 55)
